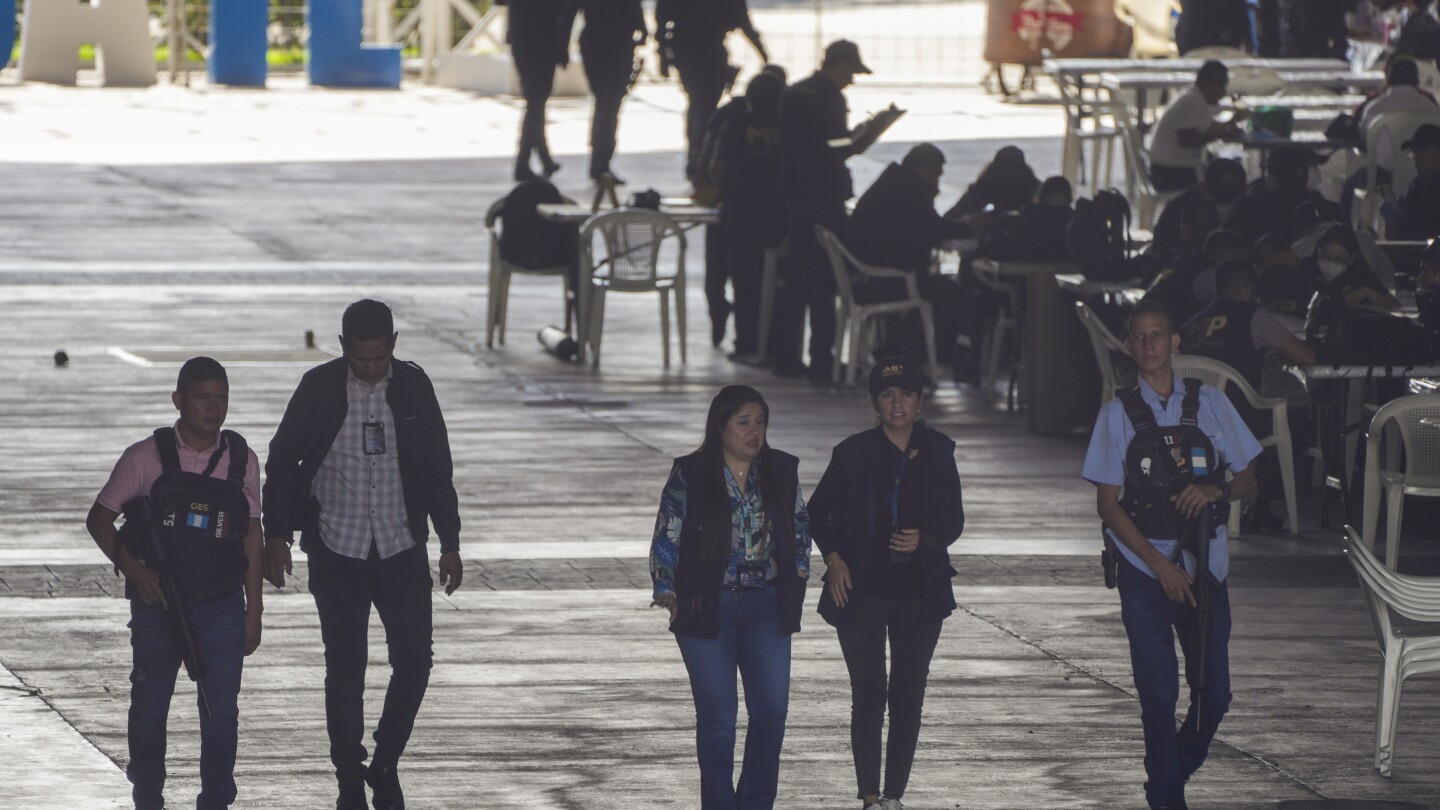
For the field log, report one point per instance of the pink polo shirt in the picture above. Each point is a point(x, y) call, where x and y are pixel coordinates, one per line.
point(140, 465)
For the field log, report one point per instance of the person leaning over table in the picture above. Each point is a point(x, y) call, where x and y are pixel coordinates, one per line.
point(1177, 148)
point(730, 559)
point(884, 516)
point(1155, 575)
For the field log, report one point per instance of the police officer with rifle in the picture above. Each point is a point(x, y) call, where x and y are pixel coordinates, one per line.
point(1158, 458)
point(192, 557)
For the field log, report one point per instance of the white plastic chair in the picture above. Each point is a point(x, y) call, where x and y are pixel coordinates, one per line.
point(500, 273)
point(1419, 475)
point(1218, 374)
point(632, 239)
point(1086, 121)
point(1141, 191)
point(1102, 342)
point(1405, 611)
point(1152, 24)
point(856, 320)
point(769, 285)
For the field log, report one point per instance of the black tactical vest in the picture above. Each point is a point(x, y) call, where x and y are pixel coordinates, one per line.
point(1223, 332)
point(200, 521)
point(1161, 462)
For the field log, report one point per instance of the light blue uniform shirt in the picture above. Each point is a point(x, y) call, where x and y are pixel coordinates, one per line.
point(1234, 445)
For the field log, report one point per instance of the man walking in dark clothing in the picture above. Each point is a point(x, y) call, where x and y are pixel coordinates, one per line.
point(815, 141)
point(691, 35)
point(613, 30)
point(359, 463)
point(537, 45)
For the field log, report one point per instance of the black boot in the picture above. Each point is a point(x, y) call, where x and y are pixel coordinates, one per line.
point(386, 783)
point(352, 797)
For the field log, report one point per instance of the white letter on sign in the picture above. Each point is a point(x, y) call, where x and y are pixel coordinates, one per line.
point(55, 30)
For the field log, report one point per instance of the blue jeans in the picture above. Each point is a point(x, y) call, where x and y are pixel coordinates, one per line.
point(750, 639)
point(1149, 615)
point(219, 628)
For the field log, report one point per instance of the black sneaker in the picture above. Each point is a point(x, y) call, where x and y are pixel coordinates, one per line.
point(386, 783)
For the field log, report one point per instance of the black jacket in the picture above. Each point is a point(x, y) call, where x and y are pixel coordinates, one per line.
point(812, 113)
point(843, 517)
point(697, 581)
point(312, 421)
point(895, 223)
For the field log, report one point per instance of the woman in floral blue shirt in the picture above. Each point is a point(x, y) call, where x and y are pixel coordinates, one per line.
point(730, 559)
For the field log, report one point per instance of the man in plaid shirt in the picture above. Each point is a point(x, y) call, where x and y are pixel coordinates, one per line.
point(360, 461)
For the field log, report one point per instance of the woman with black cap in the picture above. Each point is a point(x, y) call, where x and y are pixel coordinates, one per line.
point(730, 559)
point(884, 516)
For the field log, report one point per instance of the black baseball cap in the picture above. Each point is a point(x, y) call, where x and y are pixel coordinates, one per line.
point(1426, 137)
point(895, 372)
point(843, 50)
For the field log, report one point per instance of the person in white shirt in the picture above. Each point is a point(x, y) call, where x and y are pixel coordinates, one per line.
point(1177, 149)
point(1402, 94)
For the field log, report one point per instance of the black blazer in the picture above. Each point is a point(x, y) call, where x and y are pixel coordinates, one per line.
point(697, 582)
point(843, 517)
point(312, 421)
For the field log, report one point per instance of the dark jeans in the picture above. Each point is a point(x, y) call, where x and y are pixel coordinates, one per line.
point(607, 69)
point(537, 79)
point(911, 646)
point(809, 283)
point(1172, 178)
point(717, 272)
point(344, 589)
point(703, 77)
point(745, 245)
point(219, 628)
point(1149, 617)
point(750, 640)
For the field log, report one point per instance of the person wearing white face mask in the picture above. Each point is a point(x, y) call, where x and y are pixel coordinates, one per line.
point(1346, 279)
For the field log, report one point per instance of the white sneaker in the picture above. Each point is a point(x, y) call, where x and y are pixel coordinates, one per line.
point(890, 804)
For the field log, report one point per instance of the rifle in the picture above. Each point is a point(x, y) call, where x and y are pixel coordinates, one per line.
point(152, 554)
point(1197, 665)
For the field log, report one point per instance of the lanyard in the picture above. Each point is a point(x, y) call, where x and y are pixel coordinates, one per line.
point(895, 493)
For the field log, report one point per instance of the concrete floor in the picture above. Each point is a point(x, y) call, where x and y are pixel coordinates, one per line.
point(232, 222)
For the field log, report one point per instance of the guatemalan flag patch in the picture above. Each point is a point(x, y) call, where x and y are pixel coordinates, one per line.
point(197, 521)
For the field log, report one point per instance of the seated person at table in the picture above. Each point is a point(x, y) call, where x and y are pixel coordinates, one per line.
point(1187, 287)
point(895, 225)
point(1345, 279)
point(1313, 221)
point(1402, 95)
point(1269, 207)
point(1177, 149)
point(1239, 332)
point(1281, 287)
point(1007, 183)
point(1223, 184)
point(1037, 232)
point(1199, 219)
point(1420, 207)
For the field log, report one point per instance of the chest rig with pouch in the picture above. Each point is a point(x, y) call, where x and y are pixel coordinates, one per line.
point(198, 521)
point(1161, 462)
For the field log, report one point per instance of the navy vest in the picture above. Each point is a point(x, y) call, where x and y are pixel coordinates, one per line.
point(1161, 462)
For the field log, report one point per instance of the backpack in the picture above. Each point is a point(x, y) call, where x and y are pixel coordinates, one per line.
point(1098, 236)
point(527, 239)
